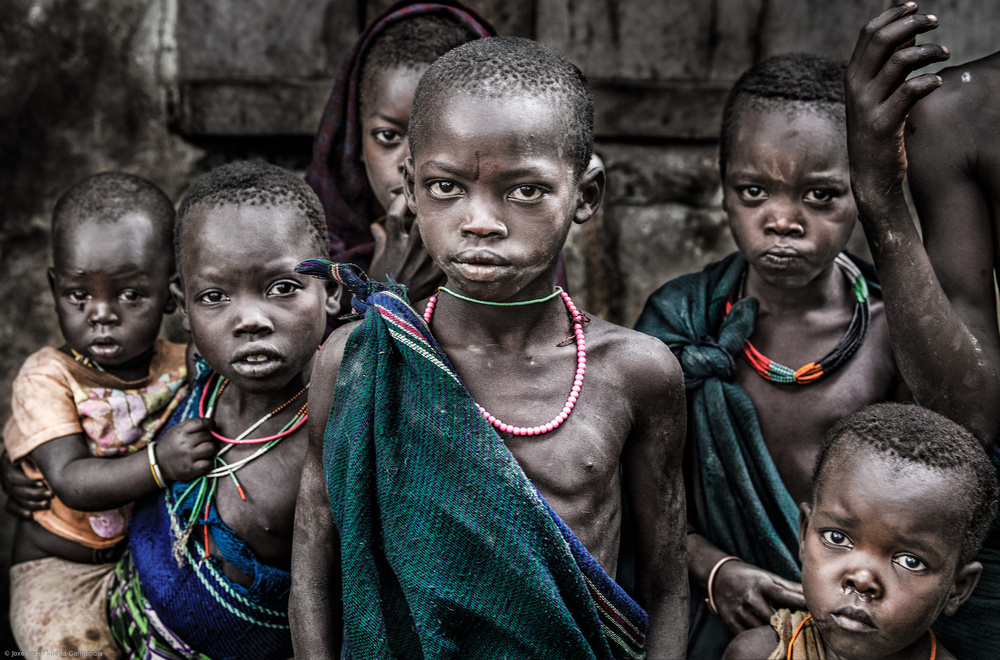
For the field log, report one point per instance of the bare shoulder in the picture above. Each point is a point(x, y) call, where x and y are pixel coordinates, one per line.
point(638, 358)
point(753, 644)
point(966, 101)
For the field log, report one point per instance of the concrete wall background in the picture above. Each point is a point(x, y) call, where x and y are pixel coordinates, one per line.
point(138, 85)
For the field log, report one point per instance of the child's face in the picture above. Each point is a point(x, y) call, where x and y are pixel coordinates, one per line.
point(788, 193)
point(111, 287)
point(384, 146)
point(879, 551)
point(494, 193)
point(253, 318)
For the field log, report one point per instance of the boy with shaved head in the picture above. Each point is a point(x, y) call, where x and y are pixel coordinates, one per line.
point(455, 501)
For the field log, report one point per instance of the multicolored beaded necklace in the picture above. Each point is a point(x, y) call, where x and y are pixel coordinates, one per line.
point(842, 352)
point(86, 361)
point(206, 485)
point(581, 359)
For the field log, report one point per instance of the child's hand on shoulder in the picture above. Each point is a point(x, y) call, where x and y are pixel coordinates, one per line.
point(879, 96)
point(399, 251)
point(746, 596)
point(186, 450)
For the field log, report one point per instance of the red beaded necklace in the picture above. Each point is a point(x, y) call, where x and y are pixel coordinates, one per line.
point(581, 365)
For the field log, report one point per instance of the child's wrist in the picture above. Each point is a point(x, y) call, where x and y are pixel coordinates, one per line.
point(154, 467)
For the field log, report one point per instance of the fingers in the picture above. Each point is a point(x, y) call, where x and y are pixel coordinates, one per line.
point(906, 60)
point(396, 220)
point(883, 35)
point(18, 511)
point(903, 99)
point(782, 593)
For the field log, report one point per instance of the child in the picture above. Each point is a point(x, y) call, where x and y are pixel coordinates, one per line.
point(940, 302)
point(207, 564)
point(790, 296)
point(902, 500)
point(103, 394)
point(424, 524)
point(357, 164)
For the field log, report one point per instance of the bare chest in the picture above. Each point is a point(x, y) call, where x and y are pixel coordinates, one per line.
point(794, 418)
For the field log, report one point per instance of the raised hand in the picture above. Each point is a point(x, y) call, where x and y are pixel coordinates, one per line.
point(879, 96)
point(747, 596)
point(399, 251)
point(186, 450)
point(24, 495)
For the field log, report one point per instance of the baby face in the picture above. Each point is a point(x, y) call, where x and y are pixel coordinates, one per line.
point(110, 284)
point(252, 317)
point(494, 192)
point(788, 193)
point(879, 552)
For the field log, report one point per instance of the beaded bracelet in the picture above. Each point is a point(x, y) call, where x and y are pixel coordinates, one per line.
point(154, 467)
point(711, 579)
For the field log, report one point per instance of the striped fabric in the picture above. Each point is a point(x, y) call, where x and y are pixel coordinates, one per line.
point(447, 549)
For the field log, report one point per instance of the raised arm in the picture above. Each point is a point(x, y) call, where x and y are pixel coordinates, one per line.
point(654, 486)
point(950, 365)
point(314, 606)
point(943, 138)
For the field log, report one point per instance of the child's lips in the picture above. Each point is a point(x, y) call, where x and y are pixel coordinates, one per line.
point(256, 362)
point(105, 349)
point(855, 620)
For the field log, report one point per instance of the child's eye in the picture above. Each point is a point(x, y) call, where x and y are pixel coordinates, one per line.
point(78, 296)
point(283, 288)
point(836, 538)
point(526, 193)
point(129, 295)
point(445, 189)
point(910, 563)
point(213, 297)
point(819, 195)
point(387, 136)
point(752, 192)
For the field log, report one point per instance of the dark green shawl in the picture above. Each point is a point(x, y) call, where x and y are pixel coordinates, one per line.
point(447, 549)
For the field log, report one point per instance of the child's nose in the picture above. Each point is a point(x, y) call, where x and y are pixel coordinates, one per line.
point(784, 219)
point(864, 581)
point(103, 314)
point(483, 220)
point(253, 321)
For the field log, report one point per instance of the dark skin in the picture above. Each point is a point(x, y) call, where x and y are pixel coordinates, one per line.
point(110, 288)
point(787, 193)
point(496, 200)
point(953, 147)
point(939, 300)
point(385, 120)
point(879, 565)
point(257, 323)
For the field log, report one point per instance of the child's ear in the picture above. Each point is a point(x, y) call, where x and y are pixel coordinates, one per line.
point(171, 305)
point(966, 579)
point(590, 192)
point(177, 291)
point(334, 295)
point(409, 185)
point(805, 510)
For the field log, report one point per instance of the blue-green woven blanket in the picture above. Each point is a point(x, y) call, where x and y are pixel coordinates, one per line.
point(448, 551)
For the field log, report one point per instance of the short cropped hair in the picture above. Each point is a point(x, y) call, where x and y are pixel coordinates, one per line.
point(105, 198)
point(923, 437)
point(257, 184)
point(499, 67)
point(794, 80)
point(411, 43)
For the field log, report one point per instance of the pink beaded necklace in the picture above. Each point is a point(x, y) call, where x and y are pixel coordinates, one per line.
point(581, 363)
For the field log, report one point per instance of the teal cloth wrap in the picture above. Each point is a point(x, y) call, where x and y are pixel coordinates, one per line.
point(447, 549)
point(736, 498)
